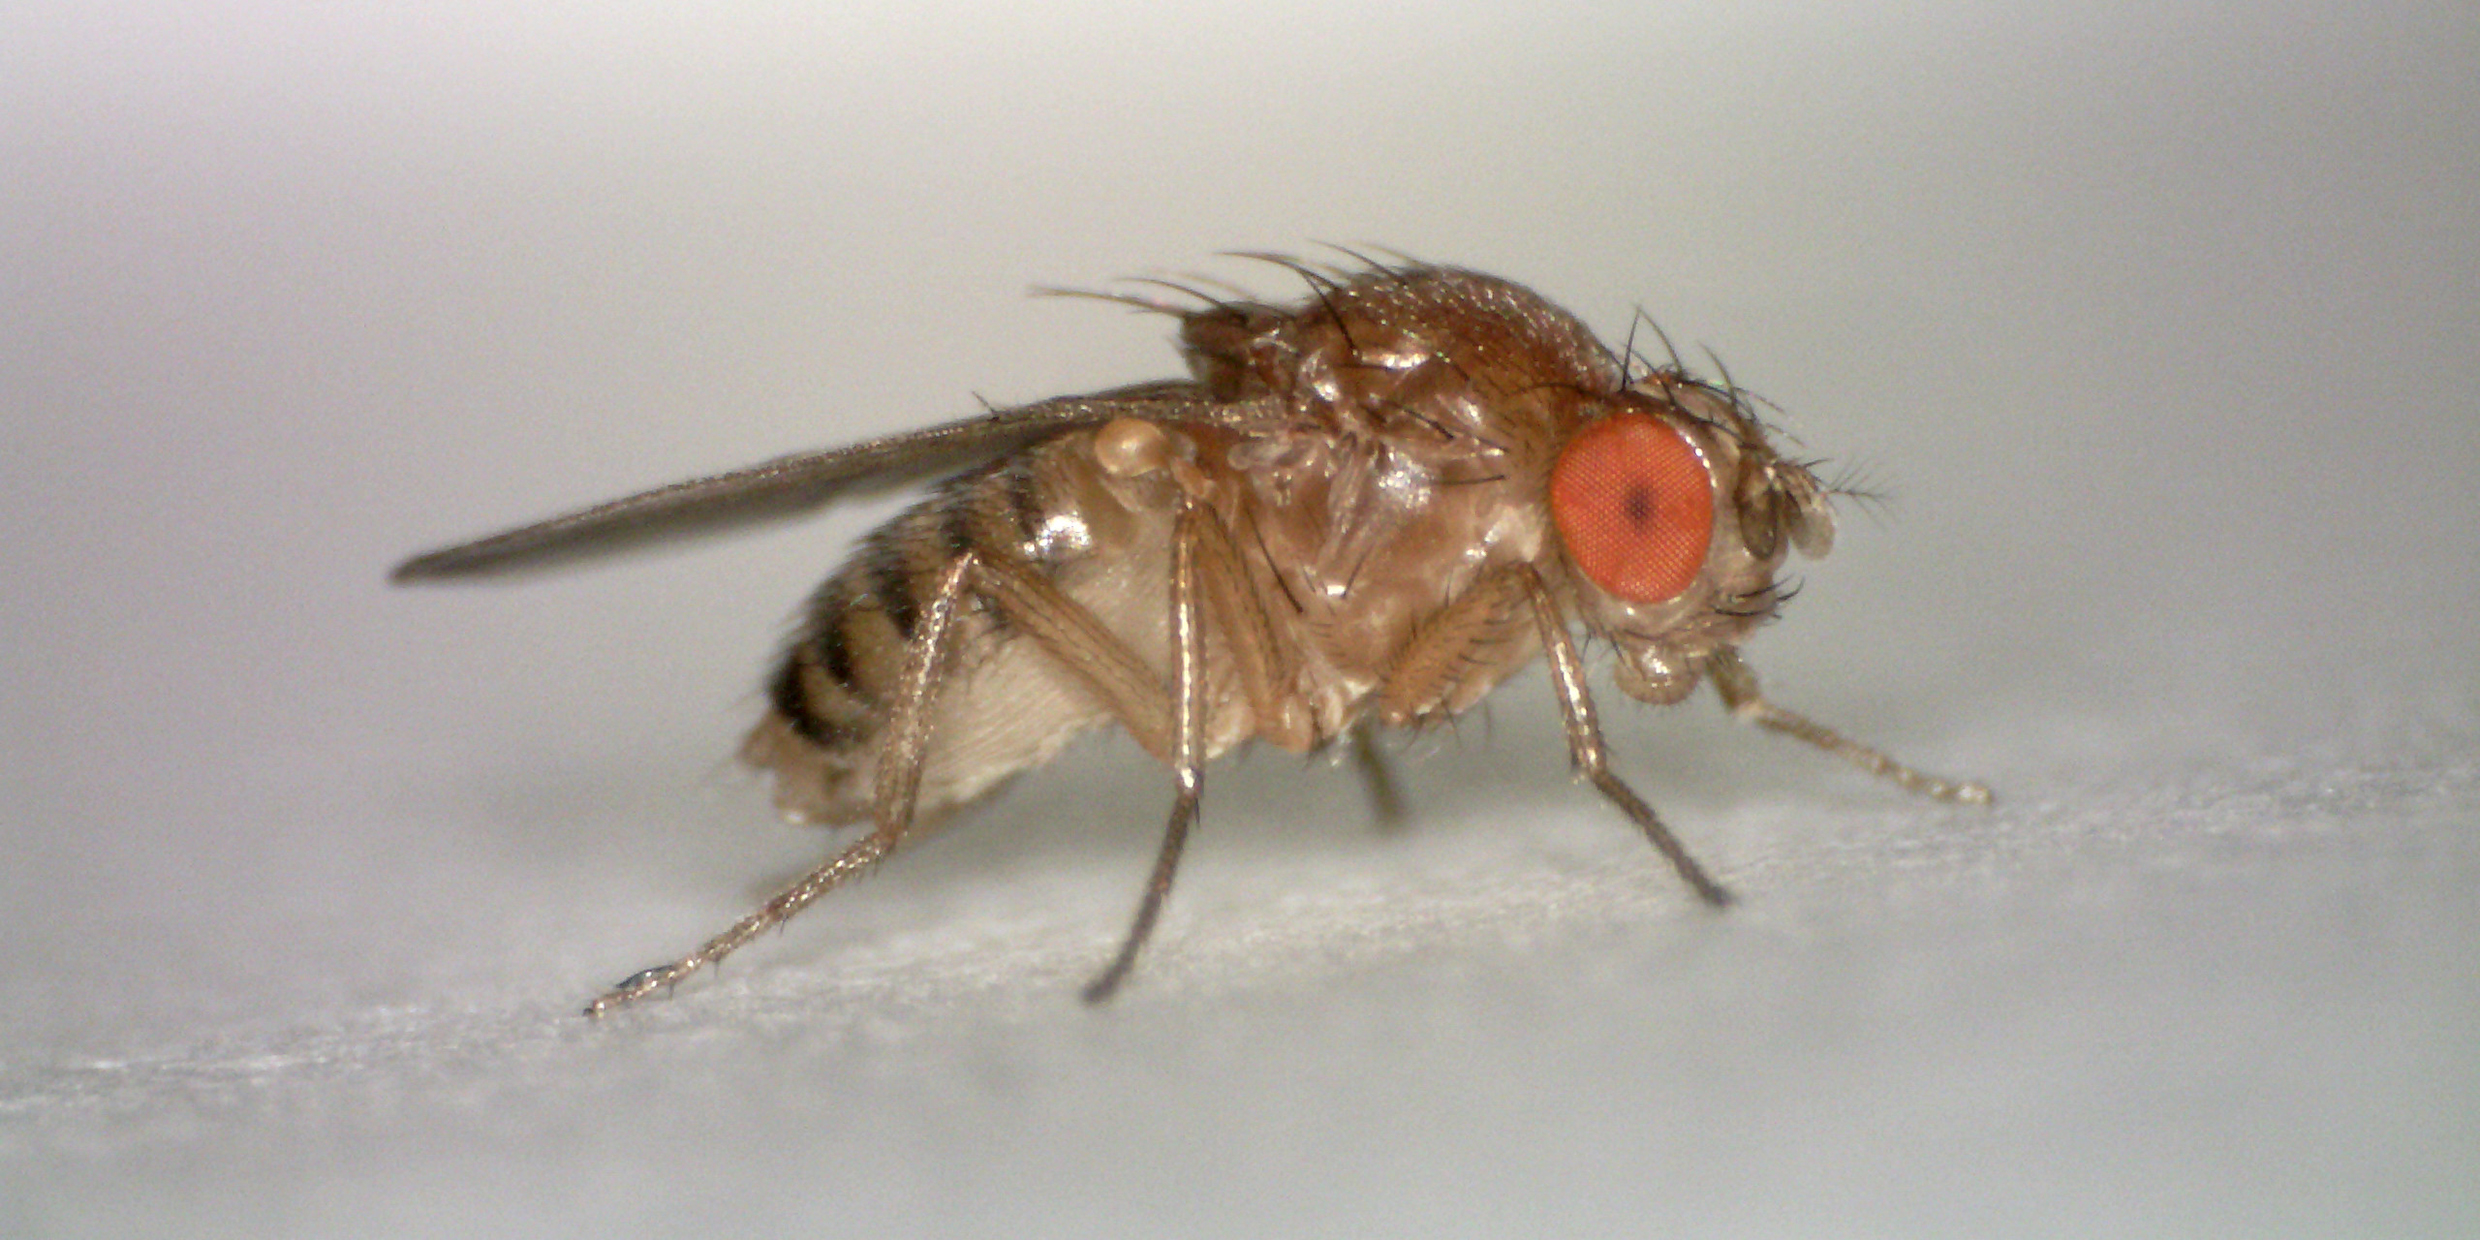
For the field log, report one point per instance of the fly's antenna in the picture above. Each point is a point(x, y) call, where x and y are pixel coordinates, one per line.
point(1855, 483)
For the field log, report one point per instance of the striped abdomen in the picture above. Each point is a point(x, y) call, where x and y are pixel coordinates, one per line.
point(1001, 705)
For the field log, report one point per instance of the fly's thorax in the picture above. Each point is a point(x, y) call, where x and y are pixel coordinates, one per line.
point(1357, 538)
point(1410, 351)
point(1675, 514)
point(1405, 424)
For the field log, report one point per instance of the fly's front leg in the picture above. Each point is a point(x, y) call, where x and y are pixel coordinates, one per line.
point(1428, 681)
point(899, 780)
point(1584, 738)
point(1188, 659)
point(1737, 683)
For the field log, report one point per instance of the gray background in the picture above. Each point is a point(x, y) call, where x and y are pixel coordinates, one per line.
point(2158, 320)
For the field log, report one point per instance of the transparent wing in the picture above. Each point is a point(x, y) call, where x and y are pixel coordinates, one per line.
point(790, 485)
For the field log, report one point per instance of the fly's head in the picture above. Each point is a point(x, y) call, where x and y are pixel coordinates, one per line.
point(1675, 513)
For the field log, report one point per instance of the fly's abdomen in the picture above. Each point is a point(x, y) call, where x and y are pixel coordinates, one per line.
point(999, 703)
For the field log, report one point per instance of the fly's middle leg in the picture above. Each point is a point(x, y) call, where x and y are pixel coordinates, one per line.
point(1170, 725)
point(1188, 649)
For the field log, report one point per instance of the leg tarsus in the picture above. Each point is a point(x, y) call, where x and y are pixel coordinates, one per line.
point(1619, 794)
point(899, 782)
point(863, 854)
point(1157, 890)
point(1736, 682)
point(1386, 795)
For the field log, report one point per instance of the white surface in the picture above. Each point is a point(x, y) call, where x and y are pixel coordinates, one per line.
point(2160, 324)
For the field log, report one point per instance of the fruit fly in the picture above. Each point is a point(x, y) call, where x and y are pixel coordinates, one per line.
point(1364, 509)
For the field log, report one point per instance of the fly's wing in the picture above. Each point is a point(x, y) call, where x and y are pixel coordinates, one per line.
point(791, 485)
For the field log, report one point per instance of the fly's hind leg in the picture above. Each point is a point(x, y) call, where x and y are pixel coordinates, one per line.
point(899, 780)
point(1737, 683)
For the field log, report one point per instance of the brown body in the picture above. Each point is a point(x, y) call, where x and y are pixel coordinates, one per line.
point(1347, 517)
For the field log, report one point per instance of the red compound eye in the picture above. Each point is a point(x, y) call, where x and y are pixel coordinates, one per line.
point(1635, 505)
